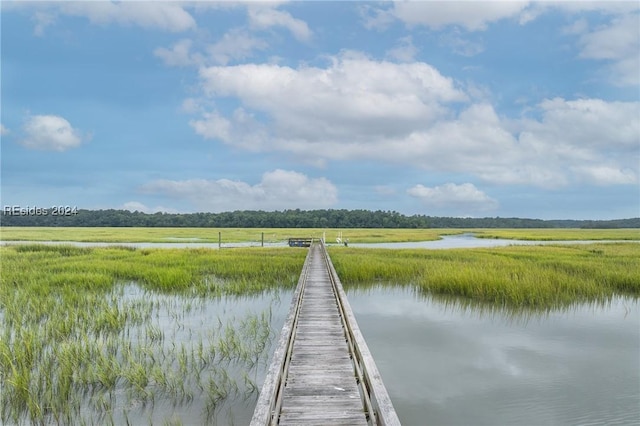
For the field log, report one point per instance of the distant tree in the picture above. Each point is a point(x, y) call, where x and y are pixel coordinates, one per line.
point(297, 218)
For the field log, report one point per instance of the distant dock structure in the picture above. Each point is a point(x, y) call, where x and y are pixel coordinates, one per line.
point(300, 242)
point(322, 372)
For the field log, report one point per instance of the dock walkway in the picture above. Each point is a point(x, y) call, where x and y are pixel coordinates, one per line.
point(322, 372)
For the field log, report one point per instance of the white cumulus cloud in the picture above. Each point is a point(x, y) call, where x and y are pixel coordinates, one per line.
point(590, 123)
point(50, 133)
point(179, 54)
point(354, 96)
point(604, 175)
point(359, 109)
point(618, 42)
point(473, 16)
point(278, 189)
point(161, 15)
point(450, 195)
point(478, 15)
point(236, 44)
point(261, 17)
point(213, 126)
point(583, 141)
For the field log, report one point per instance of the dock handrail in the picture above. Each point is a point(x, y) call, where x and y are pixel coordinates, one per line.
point(375, 397)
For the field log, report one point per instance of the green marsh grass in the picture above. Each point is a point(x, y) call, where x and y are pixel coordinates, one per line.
point(540, 277)
point(559, 234)
point(101, 335)
point(81, 337)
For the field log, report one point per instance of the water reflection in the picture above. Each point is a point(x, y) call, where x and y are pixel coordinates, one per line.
point(457, 305)
point(209, 356)
point(447, 361)
point(467, 240)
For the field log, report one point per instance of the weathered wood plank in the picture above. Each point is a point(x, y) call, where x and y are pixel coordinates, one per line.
point(322, 391)
point(321, 369)
point(318, 379)
point(322, 418)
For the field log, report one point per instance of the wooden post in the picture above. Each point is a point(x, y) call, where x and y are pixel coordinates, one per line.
point(262, 244)
point(219, 239)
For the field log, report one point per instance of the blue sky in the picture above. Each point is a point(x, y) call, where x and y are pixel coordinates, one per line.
point(528, 109)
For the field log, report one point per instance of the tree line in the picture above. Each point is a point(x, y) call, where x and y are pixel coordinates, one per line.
point(331, 218)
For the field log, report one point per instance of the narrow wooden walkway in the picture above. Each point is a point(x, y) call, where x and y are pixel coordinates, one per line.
point(319, 375)
point(321, 383)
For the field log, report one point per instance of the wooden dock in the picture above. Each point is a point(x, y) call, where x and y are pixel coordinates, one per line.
point(300, 242)
point(322, 372)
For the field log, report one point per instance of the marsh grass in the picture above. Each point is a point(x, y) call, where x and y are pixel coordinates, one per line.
point(105, 335)
point(84, 336)
point(550, 234)
point(177, 271)
point(539, 277)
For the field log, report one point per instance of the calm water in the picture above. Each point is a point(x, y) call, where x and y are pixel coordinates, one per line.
point(197, 321)
point(444, 364)
point(447, 242)
point(186, 321)
point(465, 241)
